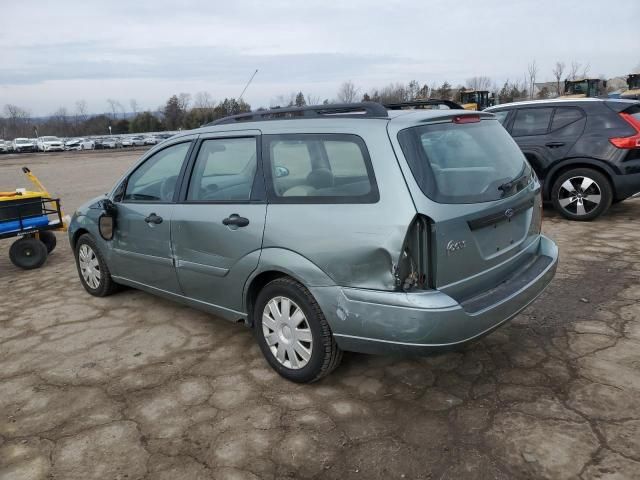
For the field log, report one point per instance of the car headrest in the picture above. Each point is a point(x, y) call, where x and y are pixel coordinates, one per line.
point(320, 178)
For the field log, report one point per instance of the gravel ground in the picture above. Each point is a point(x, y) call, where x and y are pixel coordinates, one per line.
point(133, 386)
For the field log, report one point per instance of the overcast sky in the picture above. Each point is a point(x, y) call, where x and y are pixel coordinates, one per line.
point(53, 53)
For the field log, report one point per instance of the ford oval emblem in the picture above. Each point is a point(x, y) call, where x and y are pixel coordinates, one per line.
point(509, 212)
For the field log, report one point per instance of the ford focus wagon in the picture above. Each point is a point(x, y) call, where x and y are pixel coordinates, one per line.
point(329, 228)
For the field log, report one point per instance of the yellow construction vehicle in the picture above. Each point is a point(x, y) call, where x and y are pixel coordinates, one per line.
point(472, 99)
point(585, 88)
point(633, 82)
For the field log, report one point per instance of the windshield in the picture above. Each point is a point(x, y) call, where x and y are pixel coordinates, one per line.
point(49, 139)
point(464, 163)
point(22, 140)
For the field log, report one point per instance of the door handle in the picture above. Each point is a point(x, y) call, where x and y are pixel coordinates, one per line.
point(236, 220)
point(554, 144)
point(153, 218)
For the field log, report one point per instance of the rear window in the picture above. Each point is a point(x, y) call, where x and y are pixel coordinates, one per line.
point(464, 163)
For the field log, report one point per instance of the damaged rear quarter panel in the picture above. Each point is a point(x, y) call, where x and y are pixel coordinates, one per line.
point(356, 245)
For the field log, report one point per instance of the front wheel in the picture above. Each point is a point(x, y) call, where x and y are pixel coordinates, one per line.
point(293, 333)
point(581, 194)
point(92, 268)
point(28, 253)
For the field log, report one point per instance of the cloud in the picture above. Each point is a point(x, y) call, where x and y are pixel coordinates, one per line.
point(53, 52)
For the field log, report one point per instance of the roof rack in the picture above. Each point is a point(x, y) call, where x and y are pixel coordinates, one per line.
point(349, 110)
point(423, 104)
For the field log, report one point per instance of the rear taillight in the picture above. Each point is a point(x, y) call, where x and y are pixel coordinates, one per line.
point(466, 119)
point(628, 142)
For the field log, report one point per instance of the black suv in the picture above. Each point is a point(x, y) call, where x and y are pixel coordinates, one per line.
point(586, 151)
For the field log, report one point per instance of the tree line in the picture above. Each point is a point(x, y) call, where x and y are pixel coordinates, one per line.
point(184, 111)
point(179, 112)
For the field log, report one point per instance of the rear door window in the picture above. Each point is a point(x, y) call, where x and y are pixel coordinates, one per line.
point(464, 163)
point(564, 116)
point(531, 121)
point(319, 168)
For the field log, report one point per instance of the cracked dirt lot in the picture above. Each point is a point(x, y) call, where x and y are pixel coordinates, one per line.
point(133, 387)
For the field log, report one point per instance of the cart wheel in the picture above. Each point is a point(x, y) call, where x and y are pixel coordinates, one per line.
point(49, 240)
point(28, 253)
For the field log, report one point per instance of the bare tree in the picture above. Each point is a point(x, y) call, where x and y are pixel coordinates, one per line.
point(479, 83)
point(532, 70)
point(557, 71)
point(133, 103)
point(347, 92)
point(115, 107)
point(585, 70)
point(184, 99)
point(313, 99)
point(203, 100)
point(80, 116)
point(573, 72)
point(18, 121)
point(281, 101)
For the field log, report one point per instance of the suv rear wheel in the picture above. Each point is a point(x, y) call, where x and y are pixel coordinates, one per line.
point(581, 194)
point(293, 333)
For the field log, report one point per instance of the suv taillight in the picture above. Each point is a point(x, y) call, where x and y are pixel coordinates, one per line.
point(628, 142)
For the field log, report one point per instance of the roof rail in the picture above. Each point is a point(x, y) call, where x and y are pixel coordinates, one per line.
point(350, 110)
point(423, 104)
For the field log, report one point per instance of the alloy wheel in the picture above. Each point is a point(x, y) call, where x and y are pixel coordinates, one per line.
point(579, 195)
point(89, 266)
point(287, 332)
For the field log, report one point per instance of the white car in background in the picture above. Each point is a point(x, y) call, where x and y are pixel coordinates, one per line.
point(23, 145)
point(137, 141)
point(80, 144)
point(126, 142)
point(110, 142)
point(50, 144)
point(150, 140)
point(5, 146)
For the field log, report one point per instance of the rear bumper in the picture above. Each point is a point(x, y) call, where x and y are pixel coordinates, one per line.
point(626, 185)
point(371, 321)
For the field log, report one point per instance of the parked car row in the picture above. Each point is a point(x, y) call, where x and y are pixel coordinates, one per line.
point(53, 144)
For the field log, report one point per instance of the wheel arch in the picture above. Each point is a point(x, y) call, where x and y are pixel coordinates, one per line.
point(277, 263)
point(76, 235)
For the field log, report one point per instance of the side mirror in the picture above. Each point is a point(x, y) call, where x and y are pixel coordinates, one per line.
point(107, 220)
point(281, 172)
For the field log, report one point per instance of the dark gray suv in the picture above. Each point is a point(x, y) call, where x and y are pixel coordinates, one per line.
point(586, 151)
point(329, 228)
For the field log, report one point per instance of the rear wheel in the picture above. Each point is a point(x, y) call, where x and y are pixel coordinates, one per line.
point(28, 253)
point(581, 194)
point(49, 240)
point(92, 268)
point(293, 333)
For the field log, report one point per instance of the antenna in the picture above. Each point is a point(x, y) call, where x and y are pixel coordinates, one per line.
point(247, 85)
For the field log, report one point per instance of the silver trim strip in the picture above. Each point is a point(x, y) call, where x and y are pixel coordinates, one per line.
point(142, 256)
point(201, 268)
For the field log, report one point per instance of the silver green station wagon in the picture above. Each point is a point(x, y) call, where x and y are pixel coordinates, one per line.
point(337, 227)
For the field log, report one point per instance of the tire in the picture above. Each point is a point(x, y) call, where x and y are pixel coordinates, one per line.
point(28, 253)
point(88, 255)
point(581, 194)
point(314, 337)
point(49, 240)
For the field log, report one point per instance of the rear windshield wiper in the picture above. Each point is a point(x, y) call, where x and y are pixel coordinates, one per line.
point(508, 186)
